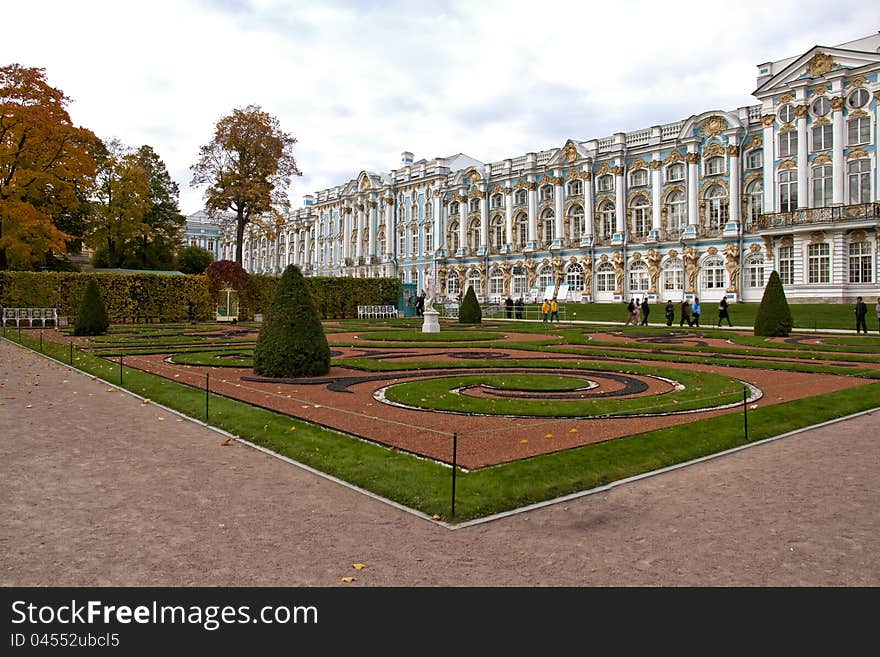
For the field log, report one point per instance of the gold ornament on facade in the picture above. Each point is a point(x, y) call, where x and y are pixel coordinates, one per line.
point(822, 120)
point(617, 171)
point(817, 237)
point(733, 151)
point(820, 64)
point(768, 120)
point(857, 236)
point(857, 154)
point(858, 81)
point(713, 126)
point(346, 210)
point(569, 151)
point(787, 127)
point(837, 103)
point(692, 268)
point(372, 204)
point(673, 253)
point(550, 180)
point(755, 248)
point(856, 113)
point(787, 164)
point(785, 98)
point(713, 149)
point(821, 90)
point(787, 240)
point(801, 111)
point(474, 176)
point(603, 257)
point(618, 261)
point(822, 158)
point(653, 259)
point(877, 95)
point(531, 272)
point(360, 207)
point(388, 200)
point(476, 193)
point(365, 183)
point(673, 157)
point(731, 263)
point(656, 165)
point(692, 158)
point(603, 169)
point(638, 163)
point(712, 250)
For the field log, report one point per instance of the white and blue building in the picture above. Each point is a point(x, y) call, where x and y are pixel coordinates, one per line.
point(203, 231)
point(707, 206)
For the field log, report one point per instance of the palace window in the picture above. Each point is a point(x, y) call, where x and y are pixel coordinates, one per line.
point(713, 273)
point(401, 243)
point(819, 263)
point(546, 193)
point(454, 209)
point(453, 285)
point(754, 201)
point(473, 281)
point(547, 225)
point(575, 277)
point(786, 265)
point(717, 209)
point(520, 282)
point(822, 186)
point(859, 179)
point(496, 282)
point(788, 190)
point(713, 166)
point(858, 131)
point(820, 107)
point(605, 183)
point(414, 241)
point(575, 187)
point(473, 234)
point(605, 279)
point(858, 98)
point(475, 205)
point(676, 212)
point(576, 218)
point(861, 263)
point(606, 220)
point(429, 212)
point(755, 271)
point(521, 222)
point(429, 238)
point(497, 201)
point(639, 281)
point(641, 217)
point(788, 143)
point(755, 159)
point(639, 178)
point(401, 214)
point(380, 239)
point(823, 137)
point(673, 275)
point(496, 232)
point(786, 113)
point(545, 277)
point(452, 237)
point(520, 197)
point(675, 172)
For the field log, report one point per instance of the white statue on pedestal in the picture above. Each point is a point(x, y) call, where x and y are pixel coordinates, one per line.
point(429, 291)
point(430, 323)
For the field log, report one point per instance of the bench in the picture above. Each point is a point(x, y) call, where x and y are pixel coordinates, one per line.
point(29, 315)
point(377, 312)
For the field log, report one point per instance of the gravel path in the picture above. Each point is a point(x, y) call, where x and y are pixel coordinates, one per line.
point(100, 489)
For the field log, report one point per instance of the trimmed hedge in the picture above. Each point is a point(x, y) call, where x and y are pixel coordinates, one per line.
point(774, 316)
point(469, 312)
point(92, 318)
point(156, 297)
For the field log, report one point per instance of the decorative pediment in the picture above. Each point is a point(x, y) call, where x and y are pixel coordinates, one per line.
point(570, 153)
point(714, 149)
point(822, 158)
point(638, 163)
point(713, 126)
point(710, 124)
point(815, 63)
point(673, 157)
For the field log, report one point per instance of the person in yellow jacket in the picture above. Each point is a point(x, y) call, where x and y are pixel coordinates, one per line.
point(554, 310)
point(545, 309)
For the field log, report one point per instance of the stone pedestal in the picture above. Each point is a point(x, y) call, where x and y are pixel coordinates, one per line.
point(430, 323)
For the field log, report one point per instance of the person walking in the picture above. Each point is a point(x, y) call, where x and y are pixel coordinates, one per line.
point(554, 310)
point(630, 312)
point(723, 312)
point(646, 310)
point(508, 307)
point(861, 315)
point(670, 313)
point(545, 310)
point(518, 308)
point(695, 311)
point(685, 313)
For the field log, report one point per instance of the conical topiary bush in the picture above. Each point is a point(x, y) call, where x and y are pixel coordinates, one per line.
point(469, 312)
point(91, 319)
point(774, 315)
point(292, 341)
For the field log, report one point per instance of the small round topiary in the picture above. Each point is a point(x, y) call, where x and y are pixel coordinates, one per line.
point(469, 312)
point(774, 316)
point(92, 316)
point(292, 341)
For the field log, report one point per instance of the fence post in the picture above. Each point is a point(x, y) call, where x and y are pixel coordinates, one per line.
point(71, 352)
point(746, 414)
point(41, 340)
point(207, 394)
point(454, 467)
point(120, 368)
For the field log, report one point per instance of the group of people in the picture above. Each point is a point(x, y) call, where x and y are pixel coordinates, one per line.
point(550, 309)
point(861, 311)
point(514, 308)
point(637, 308)
point(689, 311)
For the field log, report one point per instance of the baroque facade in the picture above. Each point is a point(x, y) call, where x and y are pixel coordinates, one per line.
point(707, 206)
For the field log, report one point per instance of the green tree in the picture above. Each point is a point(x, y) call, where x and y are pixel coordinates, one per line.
point(43, 157)
point(92, 316)
point(469, 311)
point(247, 167)
point(194, 259)
point(774, 316)
point(292, 341)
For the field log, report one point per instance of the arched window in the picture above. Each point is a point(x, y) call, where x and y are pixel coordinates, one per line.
point(675, 172)
point(576, 218)
point(641, 216)
point(496, 282)
point(605, 183)
point(713, 166)
point(429, 212)
point(672, 273)
point(546, 193)
point(638, 178)
point(473, 234)
point(473, 281)
point(822, 186)
point(475, 205)
point(520, 281)
point(639, 281)
point(859, 179)
point(497, 201)
point(713, 273)
point(605, 279)
point(452, 237)
point(545, 277)
point(520, 197)
point(454, 209)
point(717, 211)
point(574, 276)
point(401, 243)
point(546, 226)
point(429, 235)
point(788, 190)
point(401, 214)
point(605, 229)
point(521, 226)
point(496, 232)
point(453, 285)
point(381, 240)
point(575, 187)
point(676, 213)
point(754, 202)
point(755, 271)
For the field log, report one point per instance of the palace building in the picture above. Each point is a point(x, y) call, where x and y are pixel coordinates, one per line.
point(707, 206)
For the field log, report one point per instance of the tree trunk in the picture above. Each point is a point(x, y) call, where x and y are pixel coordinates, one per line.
point(240, 223)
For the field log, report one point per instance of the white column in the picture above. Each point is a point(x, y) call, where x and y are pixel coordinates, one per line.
point(389, 226)
point(438, 223)
point(484, 220)
point(769, 172)
point(619, 200)
point(588, 205)
point(559, 224)
point(805, 198)
point(308, 240)
point(346, 232)
point(735, 183)
point(655, 196)
point(462, 222)
point(508, 217)
point(359, 218)
point(693, 190)
point(533, 216)
point(370, 227)
point(837, 163)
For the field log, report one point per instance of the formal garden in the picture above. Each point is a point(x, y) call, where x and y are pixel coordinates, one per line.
point(487, 415)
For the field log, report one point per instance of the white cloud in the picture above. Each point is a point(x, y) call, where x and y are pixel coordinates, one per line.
point(358, 82)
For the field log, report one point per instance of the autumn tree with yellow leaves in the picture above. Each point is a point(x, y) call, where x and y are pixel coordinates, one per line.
point(43, 159)
point(247, 166)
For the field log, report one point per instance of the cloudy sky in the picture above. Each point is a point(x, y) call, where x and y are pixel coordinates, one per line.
point(357, 82)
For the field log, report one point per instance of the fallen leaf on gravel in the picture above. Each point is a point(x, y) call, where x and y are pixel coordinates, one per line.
point(161, 419)
point(523, 441)
point(226, 443)
point(753, 406)
point(145, 401)
point(178, 420)
point(435, 517)
point(221, 525)
point(419, 559)
point(358, 566)
point(29, 406)
point(109, 389)
point(572, 431)
point(549, 435)
point(348, 580)
point(293, 428)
